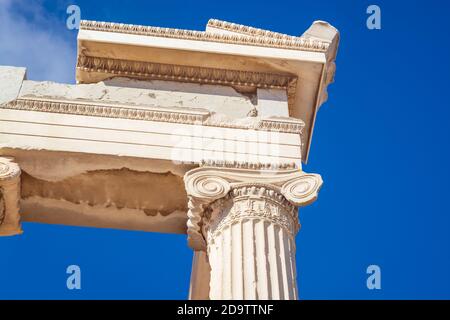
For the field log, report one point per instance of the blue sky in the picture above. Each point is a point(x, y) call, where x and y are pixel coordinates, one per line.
point(381, 144)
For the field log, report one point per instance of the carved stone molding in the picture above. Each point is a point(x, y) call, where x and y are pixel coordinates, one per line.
point(171, 72)
point(294, 43)
point(150, 113)
point(250, 201)
point(251, 31)
point(159, 71)
point(205, 185)
point(109, 111)
point(9, 196)
point(248, 165)
point(302, 190)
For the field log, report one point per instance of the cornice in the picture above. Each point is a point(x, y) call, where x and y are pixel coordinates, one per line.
point(293, 43)
point(148, 113)
point(247, 30)
point(282, 125)
point(173, 72)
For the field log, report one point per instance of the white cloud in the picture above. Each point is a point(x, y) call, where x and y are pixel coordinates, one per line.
point(31, 37)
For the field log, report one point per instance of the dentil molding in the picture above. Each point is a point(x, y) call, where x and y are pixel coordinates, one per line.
point(172, 72)
point(247, 30)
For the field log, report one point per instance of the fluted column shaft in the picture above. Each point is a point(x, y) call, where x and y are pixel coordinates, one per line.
point(251, 245)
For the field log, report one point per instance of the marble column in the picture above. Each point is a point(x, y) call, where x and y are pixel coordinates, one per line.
point(9, 197)
point(246, 220)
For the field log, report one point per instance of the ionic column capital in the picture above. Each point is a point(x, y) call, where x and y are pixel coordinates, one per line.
point(207, 184)
point(9, 196)
point(9, 170)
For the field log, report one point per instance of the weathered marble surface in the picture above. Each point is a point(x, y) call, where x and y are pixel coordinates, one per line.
point(98, 171)
point(214, 98)
point(11, 79)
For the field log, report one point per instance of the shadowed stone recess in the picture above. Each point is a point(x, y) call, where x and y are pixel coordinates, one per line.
point(152, 193)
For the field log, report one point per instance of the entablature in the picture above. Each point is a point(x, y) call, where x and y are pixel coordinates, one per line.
point(227, 54)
